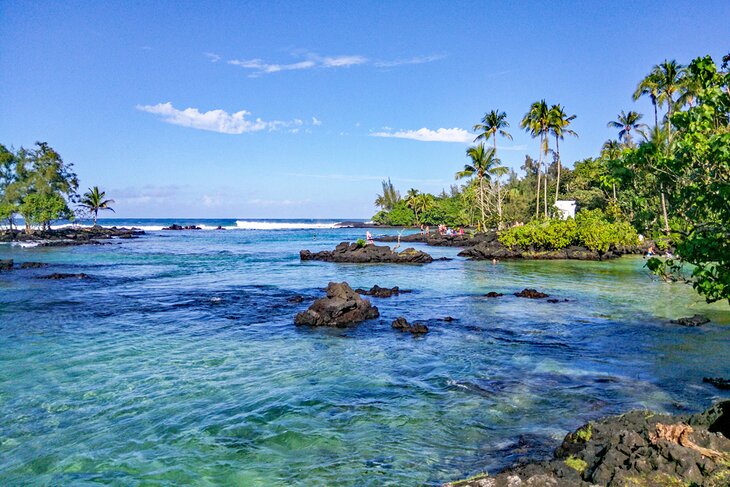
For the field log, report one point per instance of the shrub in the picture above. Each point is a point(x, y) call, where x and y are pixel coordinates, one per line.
point(360, 243)
point(590, 228)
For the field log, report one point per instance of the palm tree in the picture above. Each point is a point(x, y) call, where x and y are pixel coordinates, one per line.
point(558, 126)
point(494, 123)
point(483, 166)
point(411, 201)
point(422, 203)
point(670, 76)
point(389, 198)
point(536, 122)
point(628, 122)
point(93, 200)
point(657, 146)
point(611, 149)
point(650, 86)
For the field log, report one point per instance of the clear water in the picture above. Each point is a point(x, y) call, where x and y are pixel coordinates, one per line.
point(178, 362)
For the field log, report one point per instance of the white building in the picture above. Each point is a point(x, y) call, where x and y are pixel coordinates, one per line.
point(566, 208)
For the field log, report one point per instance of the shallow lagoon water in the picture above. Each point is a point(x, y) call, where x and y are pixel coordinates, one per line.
point(178, 362)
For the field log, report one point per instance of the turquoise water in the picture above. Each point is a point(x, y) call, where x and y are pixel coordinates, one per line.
point(178, 362)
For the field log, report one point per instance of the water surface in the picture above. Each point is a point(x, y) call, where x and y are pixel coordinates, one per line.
point(178, 362)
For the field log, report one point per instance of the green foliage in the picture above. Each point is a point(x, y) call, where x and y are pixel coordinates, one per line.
point(43, 208)
point(590, 228)
point(361, 243)
point(576, 464)
point(37, 184)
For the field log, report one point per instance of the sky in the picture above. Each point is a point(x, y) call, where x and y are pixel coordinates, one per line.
point(294, 109)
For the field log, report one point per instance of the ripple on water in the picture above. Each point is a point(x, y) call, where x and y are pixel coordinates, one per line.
point(179, 363)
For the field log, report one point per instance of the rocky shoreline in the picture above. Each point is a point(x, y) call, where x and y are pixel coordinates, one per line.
point(367, 254)
point(69, 236)
point(486, 246)
point(639, 448)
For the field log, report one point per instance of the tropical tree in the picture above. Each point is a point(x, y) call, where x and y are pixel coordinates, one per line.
point(627, 122)
point(389, 198)
point(421, 204)
point(493, 123)
point(650, 86)
point(411, 200)
point(93, 200)
point(483, 165)
point(670, 79)
point(536, 122)
point(558, 126)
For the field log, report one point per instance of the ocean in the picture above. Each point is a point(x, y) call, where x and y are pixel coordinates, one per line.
point(178, 361)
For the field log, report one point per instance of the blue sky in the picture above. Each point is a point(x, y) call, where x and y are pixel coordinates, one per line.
point(300, 109)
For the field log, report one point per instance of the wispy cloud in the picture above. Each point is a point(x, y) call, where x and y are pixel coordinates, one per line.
point(364, 177)
point(272, 202)
point(438, 135)
point(216, 120)
point(413, 60)
point(312, 60)
point(316, 121)
point(428, 135)
point(213, 57)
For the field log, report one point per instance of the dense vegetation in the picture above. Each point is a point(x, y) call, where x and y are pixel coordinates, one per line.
point(669, 181)
point(40, 187)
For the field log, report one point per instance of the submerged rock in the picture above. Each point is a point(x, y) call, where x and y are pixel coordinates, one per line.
point(341, 307)
point(718, 382)
point(63, 275)
point(6, 264)
point(402, 324)
point(636, 449)
point(354, 253)
point(175, 226)
point(492, 294)
point(382, 292)
point(531, 294)
point(296, 299)
point(696, 320)
point(33, 265)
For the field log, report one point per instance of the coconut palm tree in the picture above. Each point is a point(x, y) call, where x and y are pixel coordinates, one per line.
point(93, 200)
point(411, 200)
point(650, 86)
point(493, 123)
point(536, 122)
point(558, 127)
point(389, 198)
point(670, 75)
point(628, 122)
point(483, 166)
point(422, 203)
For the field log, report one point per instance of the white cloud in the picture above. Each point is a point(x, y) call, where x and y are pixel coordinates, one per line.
point(311, 60)
point(316, 122)
point(413, 60)
point(343, 61)
point(428, 135)
point(214, 58)
point(214, 120)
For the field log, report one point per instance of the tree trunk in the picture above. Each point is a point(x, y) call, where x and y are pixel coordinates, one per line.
point(95, 215)
point(557, 183)
point(669, 121)
point(481, 201)
point(539, 164)
point(664, 212)
point(499, 191)
point(544, 183)
point(656, 115)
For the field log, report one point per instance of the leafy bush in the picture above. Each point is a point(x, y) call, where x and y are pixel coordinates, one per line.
point(590, 229)
point(361, 243)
